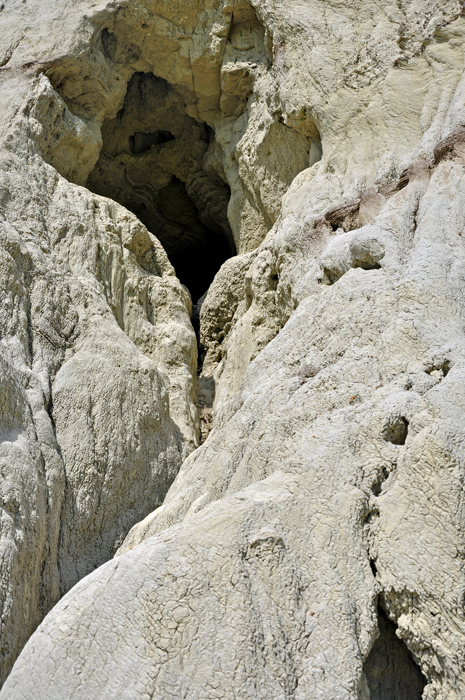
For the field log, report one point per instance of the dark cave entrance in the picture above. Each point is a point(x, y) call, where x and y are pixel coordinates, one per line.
point(196, 258)
point(155, 162)
point(390, 670)
point(198, 269)
point(195, 249)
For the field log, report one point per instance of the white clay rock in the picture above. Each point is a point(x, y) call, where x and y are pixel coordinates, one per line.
point(273, 509)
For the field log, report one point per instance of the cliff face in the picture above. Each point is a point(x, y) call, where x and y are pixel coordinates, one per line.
point(300, 169)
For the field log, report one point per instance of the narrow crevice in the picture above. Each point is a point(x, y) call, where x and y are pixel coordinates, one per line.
point(198, 258)
point(154, 161)
point(371, 517)
point(390, 672)
point(331, 275)
point(206, 386)
point(370, 265)
point(378, 485)
point(345, 217)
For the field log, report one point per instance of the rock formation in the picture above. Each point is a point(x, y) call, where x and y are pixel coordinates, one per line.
point(286, 178)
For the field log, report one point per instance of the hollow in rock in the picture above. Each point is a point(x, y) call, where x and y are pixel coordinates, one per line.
point(389, 672)
point(152, 162)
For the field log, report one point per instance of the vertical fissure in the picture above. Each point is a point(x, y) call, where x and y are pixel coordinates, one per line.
point(390, 672)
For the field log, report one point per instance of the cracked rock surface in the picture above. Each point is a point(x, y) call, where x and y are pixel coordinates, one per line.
point(313, 545)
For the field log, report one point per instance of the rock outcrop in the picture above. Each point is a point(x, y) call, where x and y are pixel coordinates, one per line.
point(313, 546)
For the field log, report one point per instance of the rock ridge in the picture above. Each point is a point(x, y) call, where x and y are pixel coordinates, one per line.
point(312, 544)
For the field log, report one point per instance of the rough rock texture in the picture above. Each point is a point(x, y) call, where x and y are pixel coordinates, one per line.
point(98, 373)
point(313, 546)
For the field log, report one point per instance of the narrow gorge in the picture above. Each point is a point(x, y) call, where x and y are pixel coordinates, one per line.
point(232, 340)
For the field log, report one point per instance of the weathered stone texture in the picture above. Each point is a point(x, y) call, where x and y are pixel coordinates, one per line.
point(318, 533)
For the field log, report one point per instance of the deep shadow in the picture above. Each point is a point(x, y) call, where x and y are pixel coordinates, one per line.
point(390, 671)
point(396, 431)
point(200, 251)
point(140, 142)
point(197, 269)
point(152, 162)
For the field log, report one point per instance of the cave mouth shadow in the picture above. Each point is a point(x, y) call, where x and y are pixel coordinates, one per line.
point(390, 671)
point(199, 250)
point(196, 269)
point(140, 142)
point(155, 161)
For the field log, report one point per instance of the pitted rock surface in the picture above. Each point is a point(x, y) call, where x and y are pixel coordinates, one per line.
point(312, 546)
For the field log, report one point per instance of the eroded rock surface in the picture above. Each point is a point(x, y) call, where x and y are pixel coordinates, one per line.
point(312, 547)
point(99, 360)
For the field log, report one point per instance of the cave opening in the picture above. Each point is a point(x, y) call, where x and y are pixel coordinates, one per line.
point(197, 258)
point(390, 672)
point(156, 161)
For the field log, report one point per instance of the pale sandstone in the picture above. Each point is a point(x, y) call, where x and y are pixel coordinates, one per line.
point(95, 328)
point(332, 478)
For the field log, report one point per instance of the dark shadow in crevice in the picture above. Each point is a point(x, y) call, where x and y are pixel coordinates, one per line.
point(109, 43)
point(140, 142)
point(440, 368)
point(345, 217)
point(330, 276)
point(378, 484)
point(390, 672)
point(198, 257)
point(396, 430)
point(368, 265)
point(197, 269)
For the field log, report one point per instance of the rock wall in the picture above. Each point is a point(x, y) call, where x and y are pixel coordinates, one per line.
point(312, 547)
point(99, 361)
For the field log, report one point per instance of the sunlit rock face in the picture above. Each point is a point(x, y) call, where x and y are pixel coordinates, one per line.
point(232, 347)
